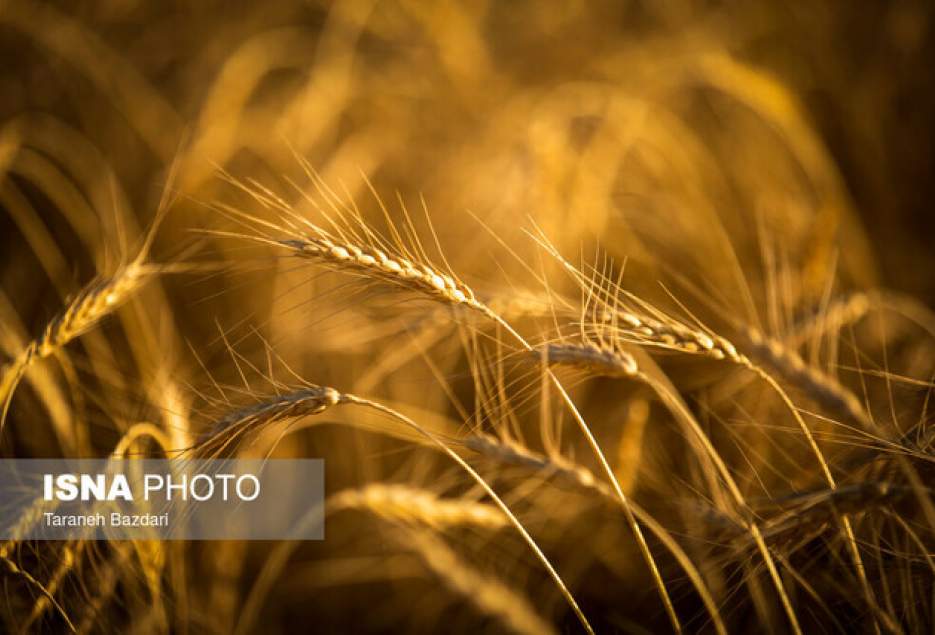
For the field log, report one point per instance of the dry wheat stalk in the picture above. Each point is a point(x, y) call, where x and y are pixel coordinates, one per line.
point(512, 452)
point(319, 398)
point(533, 545)
point(489, 595)
point(16, 570)
point(724, 348)
point(611, 303)
point(813, 382)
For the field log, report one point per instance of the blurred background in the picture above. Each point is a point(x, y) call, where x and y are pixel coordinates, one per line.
point(501, 108)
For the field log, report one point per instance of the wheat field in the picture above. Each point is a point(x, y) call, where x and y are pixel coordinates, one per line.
point(604, 316)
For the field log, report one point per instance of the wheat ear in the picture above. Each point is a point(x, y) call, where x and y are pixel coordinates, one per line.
point(406, 504)
point(675, 404)
point(824, 505)
point(70, 556)
point(670, 334)
point(770, 352)
point(789, 365)
point(597, 360)
point(93, 302)
point(818, 508)
point(311, 400)
point(667, 334)
point(847, 310)
point(393, 269)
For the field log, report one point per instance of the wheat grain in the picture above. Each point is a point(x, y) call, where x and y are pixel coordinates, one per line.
point(668, 333)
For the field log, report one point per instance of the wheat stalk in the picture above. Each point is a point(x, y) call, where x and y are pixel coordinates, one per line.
point(489, 595)
point(324, 397)
point(690, 341)
point(15, 569)
point(511, 452)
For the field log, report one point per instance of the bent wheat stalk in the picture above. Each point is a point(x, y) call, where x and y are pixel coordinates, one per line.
point(490, 492)
point(685, 417)
point(510, 452)
point(489, 595)
point(328, 395)
point(15, 569)
point(670, 334)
